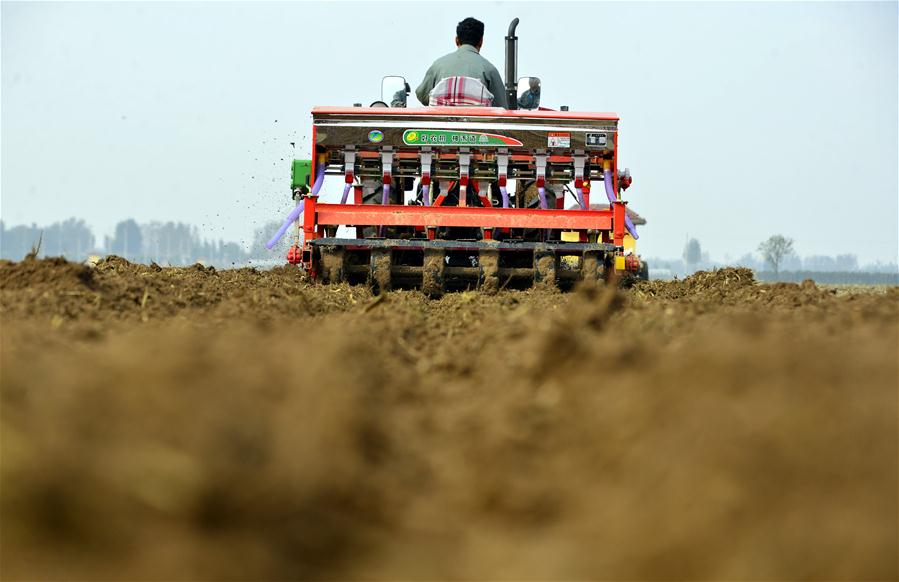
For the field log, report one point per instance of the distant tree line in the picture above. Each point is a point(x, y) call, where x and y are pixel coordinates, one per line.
point(778, 261)
point(831, 277)
point(69, 237)
point(165, 243)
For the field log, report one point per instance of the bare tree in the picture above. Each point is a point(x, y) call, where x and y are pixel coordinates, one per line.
point(127, 241)
point(775, 249)
point(692, 252)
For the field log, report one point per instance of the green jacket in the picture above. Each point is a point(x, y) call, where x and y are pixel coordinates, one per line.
point(466, 61)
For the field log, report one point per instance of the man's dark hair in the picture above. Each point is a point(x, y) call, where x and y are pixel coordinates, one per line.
point(470, 31)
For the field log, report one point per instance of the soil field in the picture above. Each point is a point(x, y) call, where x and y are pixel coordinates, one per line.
point(193, 424)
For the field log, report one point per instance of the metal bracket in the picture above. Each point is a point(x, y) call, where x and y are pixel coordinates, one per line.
point(540, 160)
point(580, 161)
point(502, 166)
point(349, 163)
point(464, 164)
point(387, 163)
point(425, 155)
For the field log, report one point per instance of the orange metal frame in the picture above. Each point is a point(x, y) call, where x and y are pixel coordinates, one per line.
point(319, 215)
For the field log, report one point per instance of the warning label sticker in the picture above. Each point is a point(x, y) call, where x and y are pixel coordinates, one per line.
point(596, 139)
point(558, 139)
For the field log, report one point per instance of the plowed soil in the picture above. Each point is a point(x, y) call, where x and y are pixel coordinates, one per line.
point(193, 424)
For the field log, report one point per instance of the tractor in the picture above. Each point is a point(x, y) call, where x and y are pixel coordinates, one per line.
point(452, 197)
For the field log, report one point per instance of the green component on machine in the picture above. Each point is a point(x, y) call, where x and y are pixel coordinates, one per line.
point(300, 173)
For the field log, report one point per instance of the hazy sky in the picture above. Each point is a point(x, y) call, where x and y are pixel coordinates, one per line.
point(739, 120)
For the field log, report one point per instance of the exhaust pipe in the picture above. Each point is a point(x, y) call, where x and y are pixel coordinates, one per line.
point(512, 67)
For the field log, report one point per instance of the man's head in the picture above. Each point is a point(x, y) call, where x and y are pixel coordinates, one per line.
point(470, 31)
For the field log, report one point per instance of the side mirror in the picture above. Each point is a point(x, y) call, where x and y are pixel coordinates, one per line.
point(528, 92)
point(394, 90)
